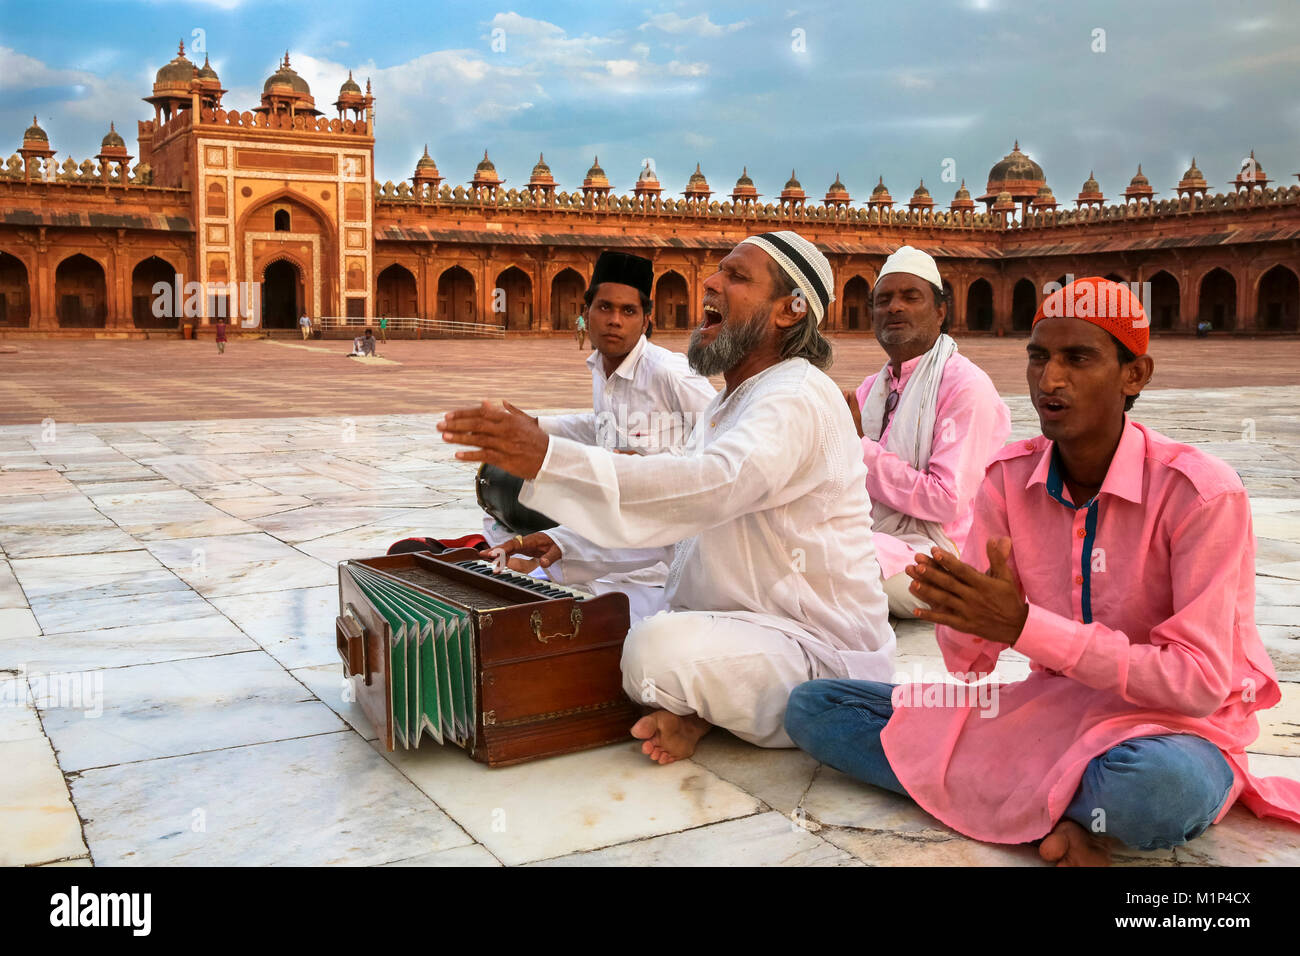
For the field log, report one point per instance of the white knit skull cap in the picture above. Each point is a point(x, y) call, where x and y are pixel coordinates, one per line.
point(804, 263)
point(914, 262)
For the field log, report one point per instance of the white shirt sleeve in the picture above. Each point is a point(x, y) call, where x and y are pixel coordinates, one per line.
point(580, 428)
point(581, 561)
point(626, 501)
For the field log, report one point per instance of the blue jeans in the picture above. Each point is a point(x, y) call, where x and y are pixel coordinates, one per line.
point(1157, 792)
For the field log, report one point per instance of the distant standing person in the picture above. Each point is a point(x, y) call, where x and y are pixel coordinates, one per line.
point(383, 329)
point(221, 336)
point(580, 330)
point(304, 323)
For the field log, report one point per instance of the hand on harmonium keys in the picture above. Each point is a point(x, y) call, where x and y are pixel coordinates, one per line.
point(501, 434)
point(526, 552)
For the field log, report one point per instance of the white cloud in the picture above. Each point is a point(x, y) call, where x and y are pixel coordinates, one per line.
point(700, 24)
point(678, 68)
point(621, 67)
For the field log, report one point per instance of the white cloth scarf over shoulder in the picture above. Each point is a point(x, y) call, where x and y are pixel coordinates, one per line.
point(911, 436)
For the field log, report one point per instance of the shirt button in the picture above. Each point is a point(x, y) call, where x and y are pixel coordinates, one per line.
point(1081, 533)
point(1078, 579)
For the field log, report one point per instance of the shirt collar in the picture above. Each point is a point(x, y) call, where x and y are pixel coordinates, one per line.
point(1123, 477)
point(627, 368)
point(904, 371)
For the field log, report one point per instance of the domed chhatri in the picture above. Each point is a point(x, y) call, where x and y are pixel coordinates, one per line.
point(1251, 175)
point(286, 92)
point(113, 139)
point(541, 180)
point(351, 98)
point(486, 180)
point(1139, 188)
point(206, 72)
point(837, 194)
point(793, 191)
point(350, 85)
point(1193, 182)
point(1004, 202)
point(921, 198)
point(1090, 194)
point(34, 134)
point(175, 75)
point(426, 171)
point(647, 183)
point(1016, 174)
point(961, 201)
point(1044, 200)
point(697, 187)
point(880, 198)
point(595, 182)
point(744, 190)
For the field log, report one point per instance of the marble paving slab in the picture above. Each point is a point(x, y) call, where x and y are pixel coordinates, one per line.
point(88, 576)
point(241, 564)
point(295, 626)
point(473, 855)
point(38, 823)
point(186, 706)
point(11, 592)
point(64, 613)
point(764, 839)
point(125, 646)
point(532, 811)
point(337, 693)
point(317, 801)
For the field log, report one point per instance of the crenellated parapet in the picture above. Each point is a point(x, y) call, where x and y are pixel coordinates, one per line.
point(40, 171)
point(301, 122)
point(1155, 209)
point(427, 200)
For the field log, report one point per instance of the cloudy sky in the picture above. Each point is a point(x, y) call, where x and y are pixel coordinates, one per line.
point(904, 90)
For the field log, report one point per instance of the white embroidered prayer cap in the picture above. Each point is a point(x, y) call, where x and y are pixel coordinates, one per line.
point(913, 261)
point(803, 262)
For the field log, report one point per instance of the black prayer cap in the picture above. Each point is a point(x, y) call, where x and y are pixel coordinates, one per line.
point(625, 269)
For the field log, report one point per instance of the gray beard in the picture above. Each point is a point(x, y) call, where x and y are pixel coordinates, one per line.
point(733, 343)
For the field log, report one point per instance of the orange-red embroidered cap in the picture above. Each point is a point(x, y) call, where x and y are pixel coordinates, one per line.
point(1110, 305)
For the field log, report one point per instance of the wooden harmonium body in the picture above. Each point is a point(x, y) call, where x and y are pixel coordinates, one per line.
point(507, 666)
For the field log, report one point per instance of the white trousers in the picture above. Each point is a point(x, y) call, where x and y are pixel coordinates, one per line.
point(733, 673)
point(902, 602)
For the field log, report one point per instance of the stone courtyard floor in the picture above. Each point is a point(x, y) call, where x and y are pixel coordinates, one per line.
point(180, 575)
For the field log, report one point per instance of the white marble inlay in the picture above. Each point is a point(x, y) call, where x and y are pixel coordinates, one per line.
point(185, 706)
point(533, 811)
point(316, 801)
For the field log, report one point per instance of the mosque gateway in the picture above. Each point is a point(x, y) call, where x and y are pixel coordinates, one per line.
point(274, 211)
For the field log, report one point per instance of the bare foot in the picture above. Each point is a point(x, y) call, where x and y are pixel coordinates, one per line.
point(1071, 845)
point(669, 737)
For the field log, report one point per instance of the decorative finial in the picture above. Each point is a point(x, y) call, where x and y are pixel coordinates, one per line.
point(963, 182)
point(110, 127)
point(286, 59)
point(1139, 169)
point(182, 48)
point(541, 158)
point(367, 85)
point(1016, 148)
point(922, 183)
point(349, 74)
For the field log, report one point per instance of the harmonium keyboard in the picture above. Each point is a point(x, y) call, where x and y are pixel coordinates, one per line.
point(507, 666)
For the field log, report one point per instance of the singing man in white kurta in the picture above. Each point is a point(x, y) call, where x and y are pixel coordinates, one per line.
point(764, 518)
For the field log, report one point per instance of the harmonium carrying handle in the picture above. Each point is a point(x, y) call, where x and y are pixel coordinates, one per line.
point(535, 620)
point(350, 637)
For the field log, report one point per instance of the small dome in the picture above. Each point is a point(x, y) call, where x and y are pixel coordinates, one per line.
point(647, 175)
point(206, 72)
point(744, 179)
point(1193, 173)
point(34, 132)
point(1015, 166)
point(485, 166)
point(177, 73)
point(596, 172)
point(962, 192)
point(1139, 179)
point(113, 139)
point(426, 161)
point(286, 76)
point(1256, 170)
point(1045, 192)
point(697, 177)
point(1091, 185)
point(350, 86)
point(1004, 201)
point(792, 183)
point(921, 191)
point(879, 189)
point(540, 169)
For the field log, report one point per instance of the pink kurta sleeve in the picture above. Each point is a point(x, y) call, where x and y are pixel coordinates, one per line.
point(1187, 666)
point(965, 653)
point(971, 423)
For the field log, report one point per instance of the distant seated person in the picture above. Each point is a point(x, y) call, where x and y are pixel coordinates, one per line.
point(645, 400)
point(1122, 564)
point(930, 422)
point(364, 344)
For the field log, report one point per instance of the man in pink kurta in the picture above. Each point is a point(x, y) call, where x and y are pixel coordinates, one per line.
point(1123, 565)
point(930, 421)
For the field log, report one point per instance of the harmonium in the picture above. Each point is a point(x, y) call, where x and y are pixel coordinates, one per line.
point(507, 666)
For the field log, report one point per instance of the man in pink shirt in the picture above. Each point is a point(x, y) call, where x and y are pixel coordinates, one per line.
point(930, 422)
point(1123, 565)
